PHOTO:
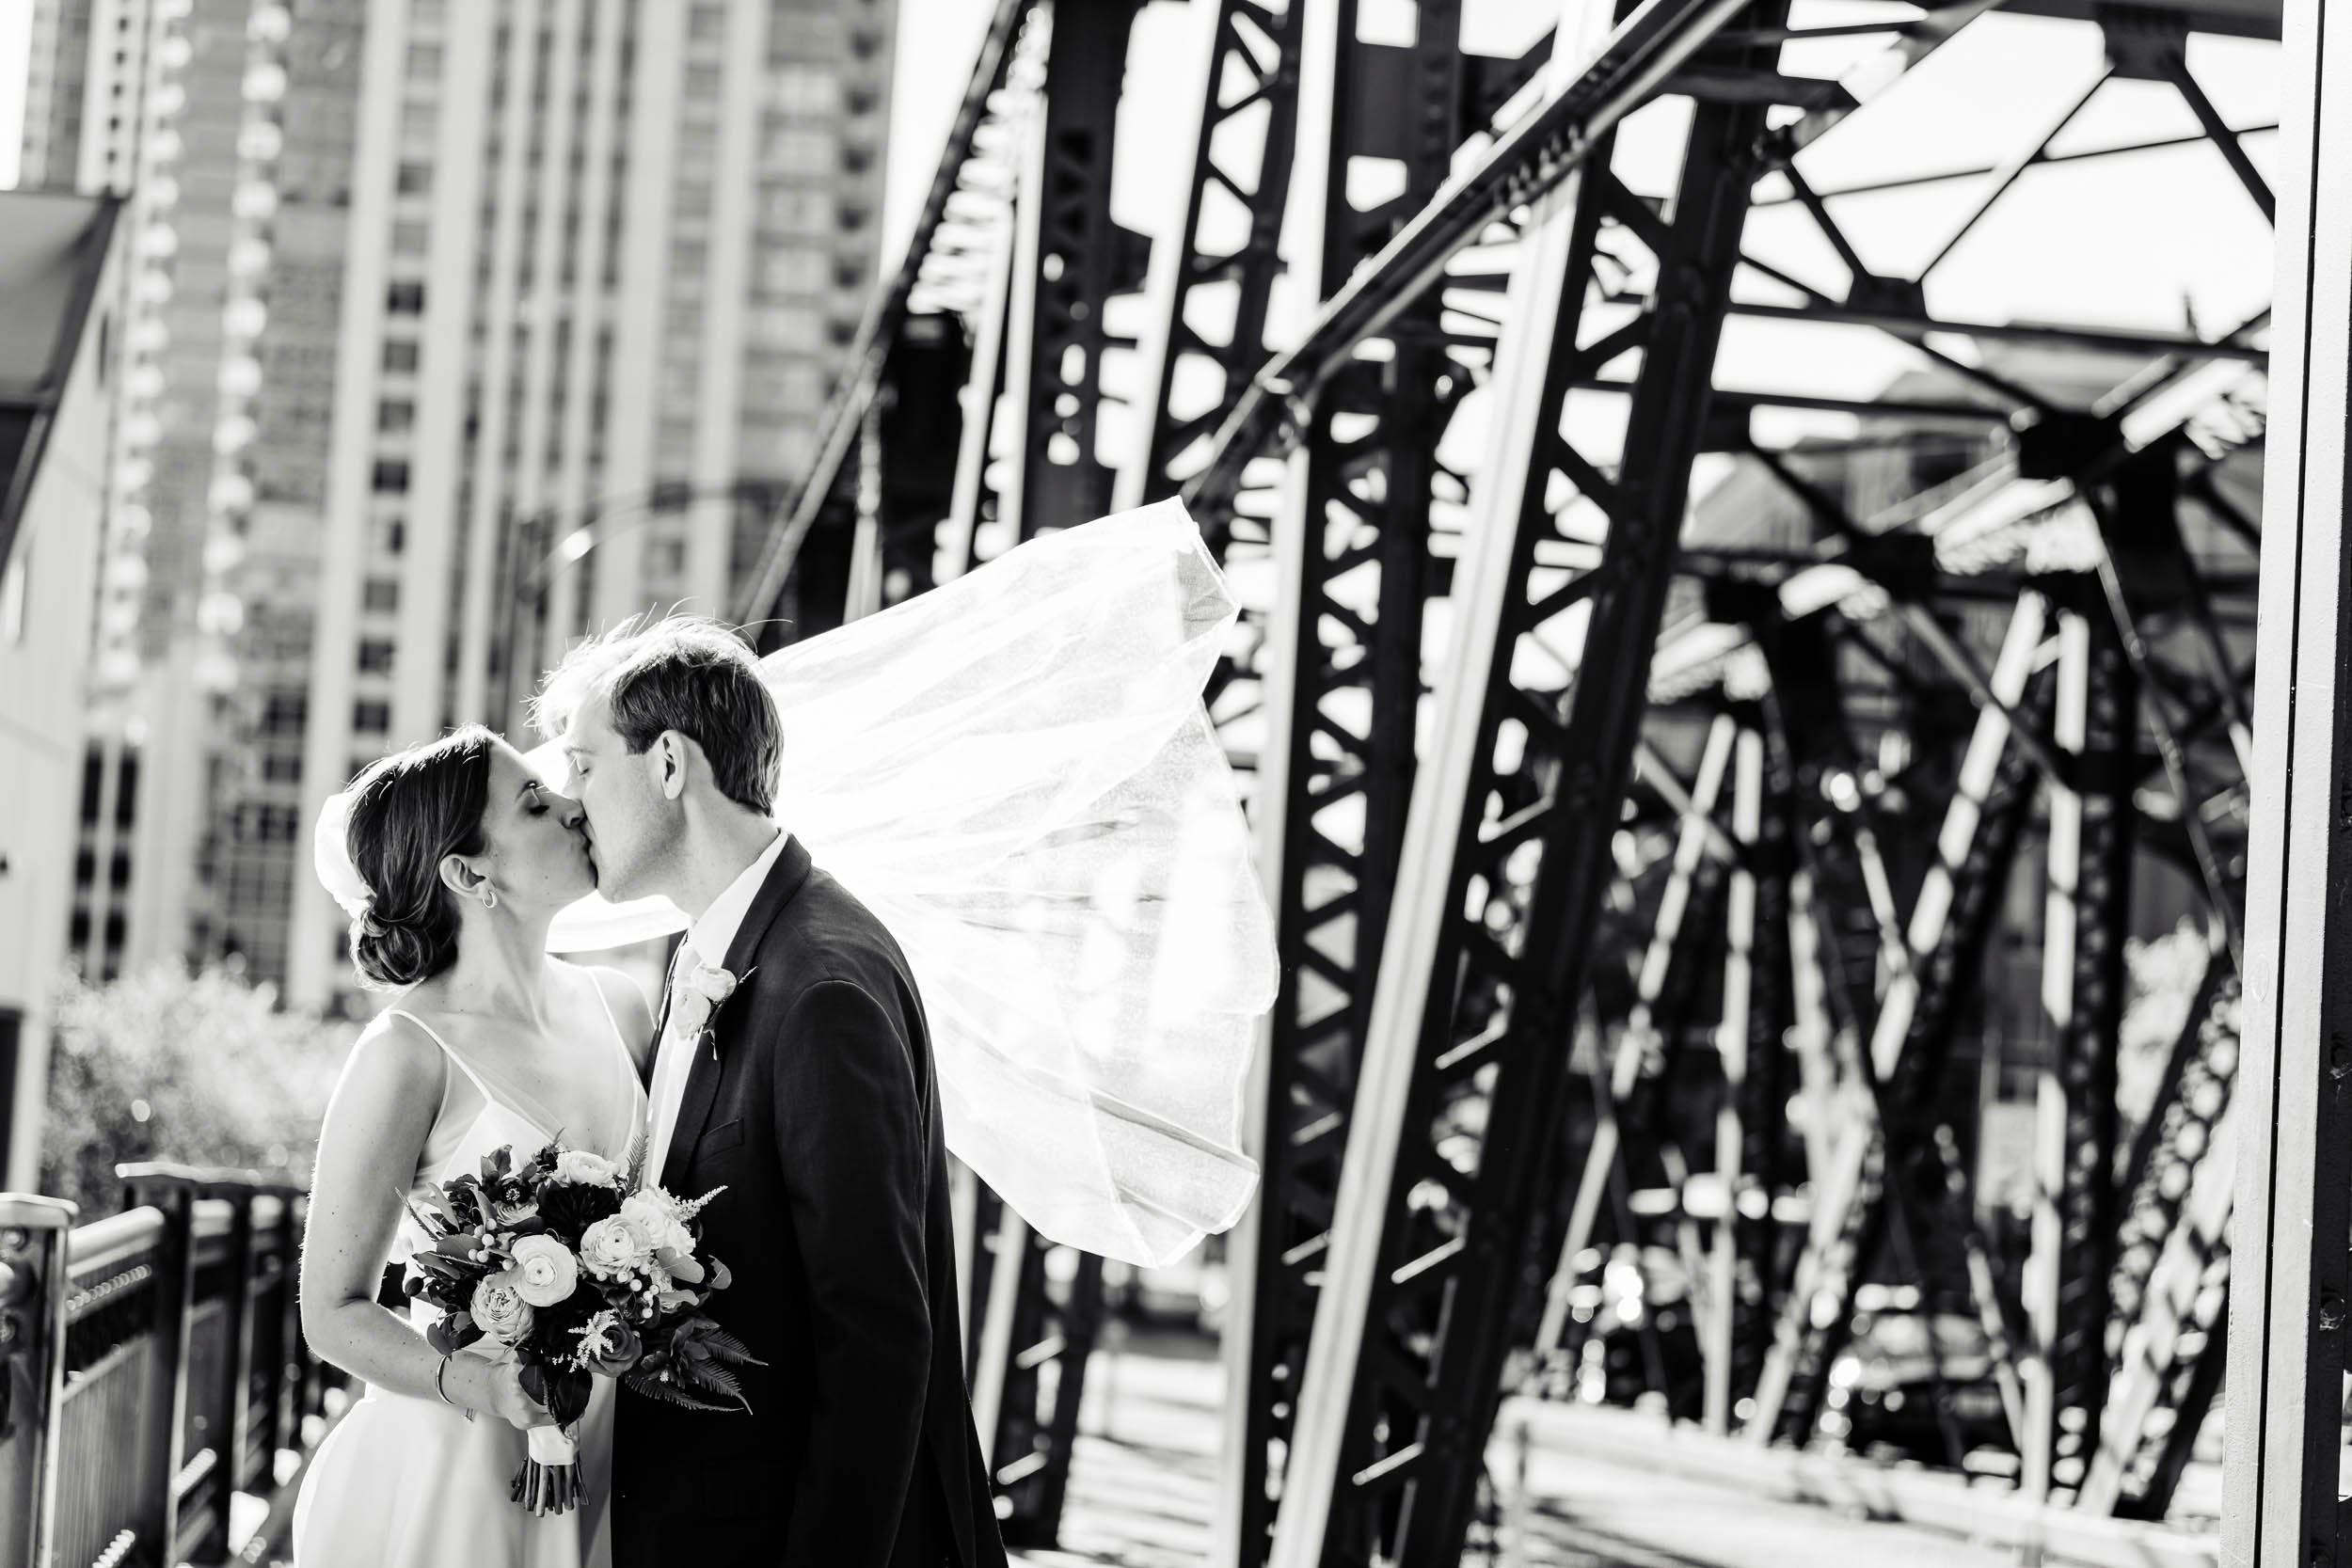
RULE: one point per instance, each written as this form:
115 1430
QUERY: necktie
672 1057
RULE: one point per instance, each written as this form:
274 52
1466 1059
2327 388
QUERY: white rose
586 1169
700 993
657 1218
498 1306
712 983
544 1270
615 1248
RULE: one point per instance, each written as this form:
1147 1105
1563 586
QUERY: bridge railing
151 1367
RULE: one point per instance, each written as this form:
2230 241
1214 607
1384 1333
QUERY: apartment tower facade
455 330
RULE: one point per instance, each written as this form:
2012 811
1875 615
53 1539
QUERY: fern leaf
669 1393
726 1348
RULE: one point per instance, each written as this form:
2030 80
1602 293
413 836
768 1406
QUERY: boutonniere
701 992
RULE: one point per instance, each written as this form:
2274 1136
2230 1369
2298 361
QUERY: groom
809 1095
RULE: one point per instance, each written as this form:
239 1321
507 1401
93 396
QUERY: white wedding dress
411 1483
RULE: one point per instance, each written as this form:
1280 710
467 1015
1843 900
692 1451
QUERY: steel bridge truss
1597 843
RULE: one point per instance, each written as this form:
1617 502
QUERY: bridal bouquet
580 1269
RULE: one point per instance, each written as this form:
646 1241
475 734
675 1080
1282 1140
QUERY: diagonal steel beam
1457 1112
845 414
1876 1151
1523 166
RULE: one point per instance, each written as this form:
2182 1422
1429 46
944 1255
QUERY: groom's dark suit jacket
815 1104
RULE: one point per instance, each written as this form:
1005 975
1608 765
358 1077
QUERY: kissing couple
970 875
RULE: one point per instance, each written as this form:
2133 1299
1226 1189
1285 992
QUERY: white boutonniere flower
701 991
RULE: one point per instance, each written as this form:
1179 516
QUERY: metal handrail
152 1366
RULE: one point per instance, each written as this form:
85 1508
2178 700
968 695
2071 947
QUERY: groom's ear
669 755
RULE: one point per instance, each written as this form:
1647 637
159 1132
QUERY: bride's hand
508 1401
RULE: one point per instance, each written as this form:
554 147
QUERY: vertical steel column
2170 1288
1069 260
2293 1200
1639 1057
162 1423
2088 915
227 1420
33 1242
1508 857
1037 1425
1249 61
1347 679
1748 1118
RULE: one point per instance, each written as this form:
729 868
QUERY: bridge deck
1601 1489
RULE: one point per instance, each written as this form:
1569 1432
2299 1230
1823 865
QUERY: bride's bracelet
439 1372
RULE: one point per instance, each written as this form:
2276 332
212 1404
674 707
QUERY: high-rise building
455 329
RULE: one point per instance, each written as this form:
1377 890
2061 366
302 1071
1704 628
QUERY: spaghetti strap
611 1017
434 1035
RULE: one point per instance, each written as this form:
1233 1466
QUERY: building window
400 355
792 272
394 535
410 238
383 595
405 299
282 767
118 870
370 718
798 151
375 658
415 179
803 89
392 477
395 415
285 712
786 326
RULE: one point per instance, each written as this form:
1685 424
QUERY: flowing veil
1014 772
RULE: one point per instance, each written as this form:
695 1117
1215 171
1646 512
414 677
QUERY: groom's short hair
683 672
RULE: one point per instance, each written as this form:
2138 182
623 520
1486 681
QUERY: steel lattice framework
1656 804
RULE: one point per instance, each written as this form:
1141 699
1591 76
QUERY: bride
468 858
1014 772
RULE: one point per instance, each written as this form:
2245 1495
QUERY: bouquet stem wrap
548 1482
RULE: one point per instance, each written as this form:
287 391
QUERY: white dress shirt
707 944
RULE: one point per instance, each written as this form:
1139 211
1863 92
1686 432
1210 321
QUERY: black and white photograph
1175 783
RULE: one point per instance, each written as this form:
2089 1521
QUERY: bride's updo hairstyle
408 813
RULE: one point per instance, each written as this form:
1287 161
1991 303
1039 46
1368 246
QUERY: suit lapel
784 880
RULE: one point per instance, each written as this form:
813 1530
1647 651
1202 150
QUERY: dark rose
557 1323
567 1210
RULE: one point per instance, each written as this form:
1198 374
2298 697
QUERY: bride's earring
489 897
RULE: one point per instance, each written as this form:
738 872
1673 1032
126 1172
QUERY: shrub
198 1068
